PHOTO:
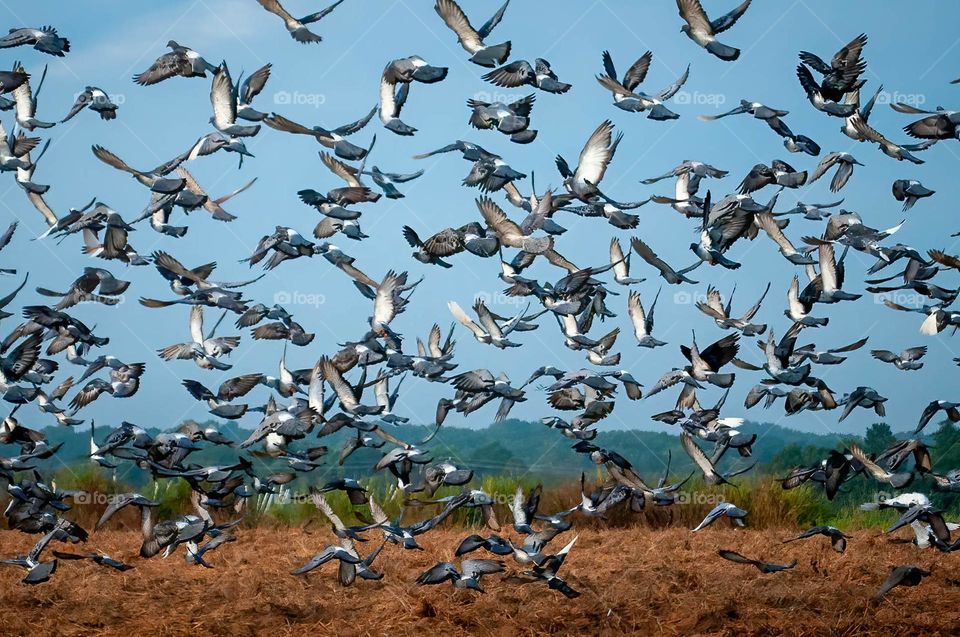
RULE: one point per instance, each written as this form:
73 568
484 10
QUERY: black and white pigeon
910 191
96 100
522 73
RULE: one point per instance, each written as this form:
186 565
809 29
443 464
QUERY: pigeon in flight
472 40
297 27
625 95
180 61
45 40
522 73
703 31
763 567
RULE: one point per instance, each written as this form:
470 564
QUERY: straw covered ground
634 580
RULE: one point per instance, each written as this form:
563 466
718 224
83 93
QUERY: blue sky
336 82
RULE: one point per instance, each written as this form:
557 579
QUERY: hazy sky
337 81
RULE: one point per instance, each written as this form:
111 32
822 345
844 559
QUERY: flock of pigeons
306 404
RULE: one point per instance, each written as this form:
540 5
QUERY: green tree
879 437
794 455
946 447
492 459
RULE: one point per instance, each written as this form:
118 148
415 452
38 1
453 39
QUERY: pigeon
901 576
180 61
45 39
841 76
910 191
472 40
522 73
334 139
844 163
838 541
467 576
642 320
763 567
703 31
908 359
724 509
223 99
510 118
297 27
670 275
97 100
395 86
626 97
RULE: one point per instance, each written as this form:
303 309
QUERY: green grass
761 495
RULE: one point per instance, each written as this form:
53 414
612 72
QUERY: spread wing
596 154
727 20
494 20
636 73
454 18
252 86
694 15
222 98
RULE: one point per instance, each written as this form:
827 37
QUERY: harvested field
632 581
